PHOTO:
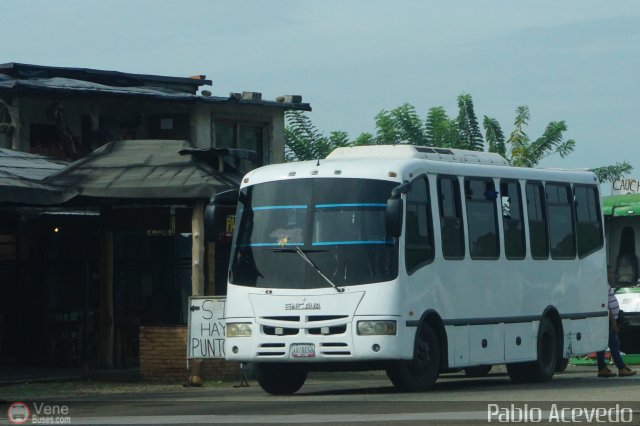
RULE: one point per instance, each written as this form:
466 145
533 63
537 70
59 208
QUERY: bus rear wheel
562 365
543 368
280 379
422 371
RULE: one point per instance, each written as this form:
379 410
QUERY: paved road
368 398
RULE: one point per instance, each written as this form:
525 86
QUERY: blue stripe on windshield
271 245
279 207
332 206
338 243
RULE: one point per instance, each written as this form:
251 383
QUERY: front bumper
335 342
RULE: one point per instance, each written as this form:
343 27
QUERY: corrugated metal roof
111 78
21 177
143 169
67 85
30 166
60 85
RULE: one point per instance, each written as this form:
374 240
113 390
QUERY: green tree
400 125
303 141
494 136
526 153
364 139
440 130
612 172
469 135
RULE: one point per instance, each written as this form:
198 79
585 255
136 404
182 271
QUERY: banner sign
206 327
625 186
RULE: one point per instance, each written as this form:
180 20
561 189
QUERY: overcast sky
572 60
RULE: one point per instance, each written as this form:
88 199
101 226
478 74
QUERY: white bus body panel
467 295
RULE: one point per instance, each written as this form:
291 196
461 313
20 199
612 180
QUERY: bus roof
401 162
421 152
621 205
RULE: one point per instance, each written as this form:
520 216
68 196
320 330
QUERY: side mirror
220 206
394 217
212 222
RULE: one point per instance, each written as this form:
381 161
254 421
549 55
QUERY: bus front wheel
422 371
543 368
280 379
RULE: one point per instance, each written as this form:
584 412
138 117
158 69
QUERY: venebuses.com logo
19 413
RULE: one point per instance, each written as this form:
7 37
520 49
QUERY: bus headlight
238 329
376 328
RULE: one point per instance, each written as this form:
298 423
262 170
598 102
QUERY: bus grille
271 349
282 331
334 349
329 331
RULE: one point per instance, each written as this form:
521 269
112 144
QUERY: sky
572 60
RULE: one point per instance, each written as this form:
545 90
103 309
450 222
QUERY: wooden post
197 274
107 332
211 269
197 249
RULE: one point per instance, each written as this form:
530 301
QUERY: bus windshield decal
278 244
333 206
337 243
279 207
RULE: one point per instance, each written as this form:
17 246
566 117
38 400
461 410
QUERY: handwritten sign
206 327
625 186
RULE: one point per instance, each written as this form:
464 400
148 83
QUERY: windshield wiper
313 265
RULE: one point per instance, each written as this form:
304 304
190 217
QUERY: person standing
614 341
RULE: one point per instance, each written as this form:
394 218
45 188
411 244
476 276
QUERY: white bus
414 260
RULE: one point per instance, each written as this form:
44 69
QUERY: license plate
303 350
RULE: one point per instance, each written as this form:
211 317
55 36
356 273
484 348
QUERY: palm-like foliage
494 136
469 135
400 125
612 172
440 130
303 141
529 154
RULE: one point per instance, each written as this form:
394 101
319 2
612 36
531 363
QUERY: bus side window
562 238
537 212
512 220
419 249
450 217
482 220
588 219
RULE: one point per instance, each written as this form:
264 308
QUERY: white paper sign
206 327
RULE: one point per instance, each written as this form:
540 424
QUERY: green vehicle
622 231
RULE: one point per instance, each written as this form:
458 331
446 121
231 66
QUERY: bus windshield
338 223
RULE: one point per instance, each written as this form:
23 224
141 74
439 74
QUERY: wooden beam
197 275
197 249
211 269
106 311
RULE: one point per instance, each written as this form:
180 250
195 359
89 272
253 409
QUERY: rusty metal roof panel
143 169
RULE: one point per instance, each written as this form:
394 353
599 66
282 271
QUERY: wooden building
93 251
